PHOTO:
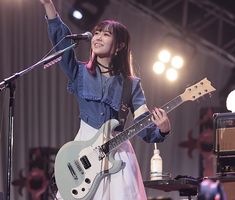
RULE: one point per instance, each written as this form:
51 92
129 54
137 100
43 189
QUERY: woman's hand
161 119
49 8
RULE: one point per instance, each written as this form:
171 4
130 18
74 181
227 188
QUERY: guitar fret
172 104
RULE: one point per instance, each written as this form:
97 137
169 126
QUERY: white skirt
127 183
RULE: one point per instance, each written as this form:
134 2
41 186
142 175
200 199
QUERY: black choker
109 69
103 65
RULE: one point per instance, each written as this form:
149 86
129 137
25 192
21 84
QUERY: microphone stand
10 83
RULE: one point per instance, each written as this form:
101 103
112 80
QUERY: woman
98 86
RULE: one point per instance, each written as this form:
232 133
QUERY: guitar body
79 167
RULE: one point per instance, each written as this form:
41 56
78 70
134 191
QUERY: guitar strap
125 101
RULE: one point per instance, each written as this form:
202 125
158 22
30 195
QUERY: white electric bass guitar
81 165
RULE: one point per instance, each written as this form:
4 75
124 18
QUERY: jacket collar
91 88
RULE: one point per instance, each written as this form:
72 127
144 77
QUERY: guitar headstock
197 90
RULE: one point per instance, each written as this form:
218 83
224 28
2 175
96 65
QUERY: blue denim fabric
151 134
98 96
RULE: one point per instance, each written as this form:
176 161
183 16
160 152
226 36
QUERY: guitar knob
87 180
75 192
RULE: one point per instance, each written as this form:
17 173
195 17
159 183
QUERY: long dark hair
121 60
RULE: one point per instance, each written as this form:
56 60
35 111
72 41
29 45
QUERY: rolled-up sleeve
151 134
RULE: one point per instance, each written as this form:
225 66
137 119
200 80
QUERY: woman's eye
107 34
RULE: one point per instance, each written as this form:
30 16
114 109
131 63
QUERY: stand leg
11 86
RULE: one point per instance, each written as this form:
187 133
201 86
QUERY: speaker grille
226 139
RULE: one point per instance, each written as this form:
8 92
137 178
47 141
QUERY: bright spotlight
77 14
230 102
158 67
177 62
171 74
86 13
164 56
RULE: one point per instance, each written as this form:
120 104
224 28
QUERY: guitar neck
139 126
171 105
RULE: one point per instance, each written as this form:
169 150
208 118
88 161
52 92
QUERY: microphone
83 36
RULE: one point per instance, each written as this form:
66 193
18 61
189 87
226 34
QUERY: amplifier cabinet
224 133
224 142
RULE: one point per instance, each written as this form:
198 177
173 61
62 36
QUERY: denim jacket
98 96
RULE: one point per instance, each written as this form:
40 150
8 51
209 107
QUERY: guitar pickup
78 166
85 162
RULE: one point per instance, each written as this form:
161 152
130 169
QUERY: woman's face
102 44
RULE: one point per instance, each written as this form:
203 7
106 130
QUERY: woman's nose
99 36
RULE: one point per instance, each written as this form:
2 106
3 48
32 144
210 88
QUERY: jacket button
101 113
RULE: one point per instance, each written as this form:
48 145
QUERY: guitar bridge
100 152
72 171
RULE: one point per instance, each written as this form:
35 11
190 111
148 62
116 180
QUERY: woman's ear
120 47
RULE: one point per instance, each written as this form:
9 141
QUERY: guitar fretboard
139 126
171 105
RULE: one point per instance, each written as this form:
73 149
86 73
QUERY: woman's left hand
161 119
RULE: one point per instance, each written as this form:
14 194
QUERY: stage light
171 74
77 14
169 63
158 67
174 52
86 13
230 102
177 62
226 94
164 56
